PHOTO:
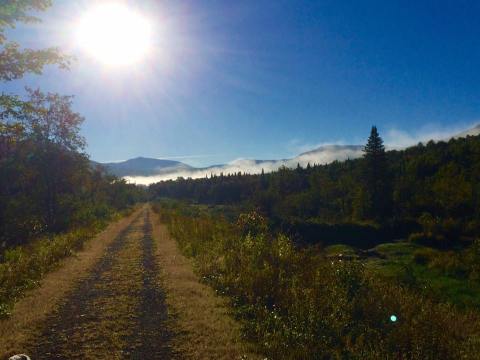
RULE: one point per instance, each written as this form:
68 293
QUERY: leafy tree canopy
15 62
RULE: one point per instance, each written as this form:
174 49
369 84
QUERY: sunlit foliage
14 61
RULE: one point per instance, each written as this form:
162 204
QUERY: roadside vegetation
22 267
301 303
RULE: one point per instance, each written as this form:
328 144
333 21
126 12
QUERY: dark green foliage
14 62
363 236
47 185
424 256
12 11
375 190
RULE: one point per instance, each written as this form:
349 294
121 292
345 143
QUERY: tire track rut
153 310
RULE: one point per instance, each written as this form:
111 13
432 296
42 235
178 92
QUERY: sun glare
115 35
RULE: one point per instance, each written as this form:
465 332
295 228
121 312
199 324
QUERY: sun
115 34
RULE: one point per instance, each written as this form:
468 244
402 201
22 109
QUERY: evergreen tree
377 189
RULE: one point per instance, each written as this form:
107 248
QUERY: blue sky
268 79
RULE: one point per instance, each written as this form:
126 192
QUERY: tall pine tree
376 179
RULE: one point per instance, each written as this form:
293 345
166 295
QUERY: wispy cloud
297 146
188 156
239 165
397 139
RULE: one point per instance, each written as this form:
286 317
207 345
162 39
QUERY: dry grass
32 310
204 327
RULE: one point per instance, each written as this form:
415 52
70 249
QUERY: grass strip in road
152 331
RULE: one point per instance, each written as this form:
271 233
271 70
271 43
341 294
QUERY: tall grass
22 267
297 304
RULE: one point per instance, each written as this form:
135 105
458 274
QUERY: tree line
429 191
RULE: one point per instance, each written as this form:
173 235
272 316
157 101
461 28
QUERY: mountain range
145 171
142 166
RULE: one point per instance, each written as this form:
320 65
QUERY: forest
48 185
430 192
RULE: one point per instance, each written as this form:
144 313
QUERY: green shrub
252 223
472 259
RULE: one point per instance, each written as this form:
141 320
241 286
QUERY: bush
252 223
363 236
472 259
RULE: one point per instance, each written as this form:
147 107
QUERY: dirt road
117 311
129 295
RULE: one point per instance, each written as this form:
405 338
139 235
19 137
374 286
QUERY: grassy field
401 261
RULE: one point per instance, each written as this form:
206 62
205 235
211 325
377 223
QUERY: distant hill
142 166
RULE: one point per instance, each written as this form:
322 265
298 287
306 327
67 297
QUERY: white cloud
324 155
397 139
296 146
